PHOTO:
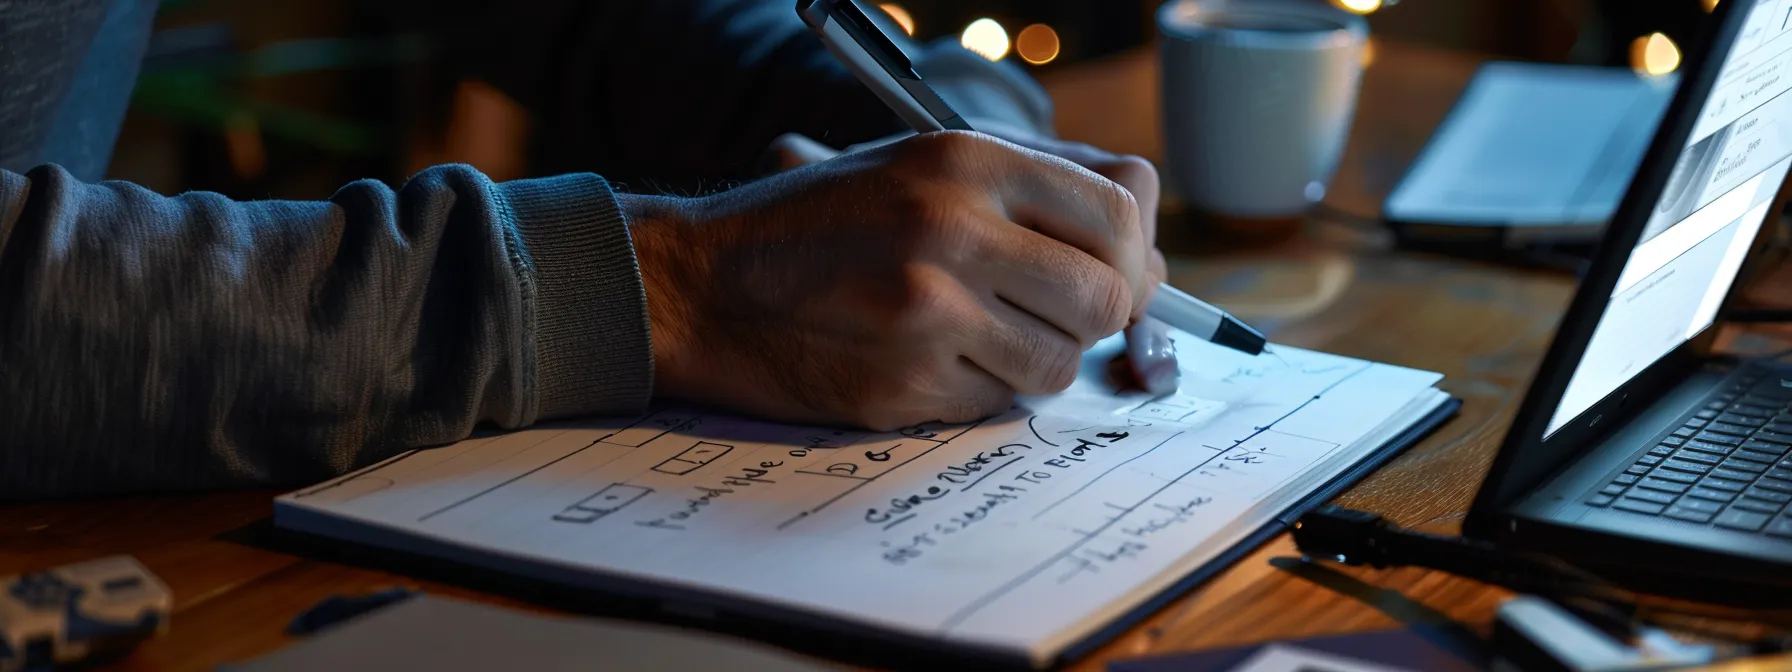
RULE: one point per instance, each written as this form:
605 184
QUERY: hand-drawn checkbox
693 457
603 503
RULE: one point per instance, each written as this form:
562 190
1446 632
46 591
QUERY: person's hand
1150 357
929 279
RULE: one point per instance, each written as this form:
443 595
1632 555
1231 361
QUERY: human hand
1150 356
928 279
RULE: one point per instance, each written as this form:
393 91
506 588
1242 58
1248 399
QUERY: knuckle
1122 209
952 151
928 294
1047 364
1109 305
977 405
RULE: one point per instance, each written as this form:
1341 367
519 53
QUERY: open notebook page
1010 534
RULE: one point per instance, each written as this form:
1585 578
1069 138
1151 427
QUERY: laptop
1636 452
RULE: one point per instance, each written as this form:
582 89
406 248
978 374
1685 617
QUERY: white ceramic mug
1258 97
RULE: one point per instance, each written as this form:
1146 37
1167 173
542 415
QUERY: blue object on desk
1417 649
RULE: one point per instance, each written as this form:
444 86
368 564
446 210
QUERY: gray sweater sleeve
153 343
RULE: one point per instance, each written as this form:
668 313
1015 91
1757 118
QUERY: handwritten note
1021 531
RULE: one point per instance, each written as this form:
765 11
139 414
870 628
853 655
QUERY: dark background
293 98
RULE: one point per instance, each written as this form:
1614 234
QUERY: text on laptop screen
1701 228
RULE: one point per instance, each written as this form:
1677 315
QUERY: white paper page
1005 533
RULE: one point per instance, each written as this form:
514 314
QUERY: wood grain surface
1333 286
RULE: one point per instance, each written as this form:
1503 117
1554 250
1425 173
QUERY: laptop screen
1706 218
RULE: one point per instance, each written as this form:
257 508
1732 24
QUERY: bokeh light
1709 5
1037 44
986 38
901 16
1654 54
1360 6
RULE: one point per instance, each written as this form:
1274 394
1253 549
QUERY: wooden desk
1333 289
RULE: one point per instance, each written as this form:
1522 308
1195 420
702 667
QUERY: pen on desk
854 38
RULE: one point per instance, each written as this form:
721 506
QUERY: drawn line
508 481
1116 506
354 476
991 596
1036 432
981 602
1110 470
1309 438
863 482
987 474
900 521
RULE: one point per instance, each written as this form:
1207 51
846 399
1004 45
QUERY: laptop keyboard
1728 466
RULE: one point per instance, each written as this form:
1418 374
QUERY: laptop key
1708 447
1653 460
1732 475
1661 451
1696 456
1688 515
1721 484
1651 496
1664 486
1775 485
1744 465
1769 495
1774 437
1781 528
1763 447
1673 441
1686 466
1753 411
1700 506
1600 500
1705 414
1685 432
1734 418
1638 469
1757 506
1782 473
1697 424
1747 521
1726 428
1763 458
1780 427
1638 506
1626 479
1708 493
1677 476
1719 439
1613 489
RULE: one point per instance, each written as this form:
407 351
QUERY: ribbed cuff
593 349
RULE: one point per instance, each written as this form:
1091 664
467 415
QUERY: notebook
1025 539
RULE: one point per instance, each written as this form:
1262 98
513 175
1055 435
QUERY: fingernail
1153 355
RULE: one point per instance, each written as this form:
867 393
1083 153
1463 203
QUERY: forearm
156 343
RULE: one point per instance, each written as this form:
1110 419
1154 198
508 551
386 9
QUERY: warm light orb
901 16
1037 44
1359 6
1709 5
1368 56
1654 54
986 38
